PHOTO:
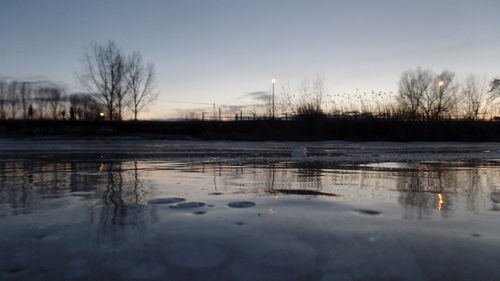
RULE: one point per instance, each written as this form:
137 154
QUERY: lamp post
274 82
441 84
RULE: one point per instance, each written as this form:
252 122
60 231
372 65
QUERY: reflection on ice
213 220
241 204
166 201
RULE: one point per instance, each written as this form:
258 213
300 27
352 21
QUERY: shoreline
261 130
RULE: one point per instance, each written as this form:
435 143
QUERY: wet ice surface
153 210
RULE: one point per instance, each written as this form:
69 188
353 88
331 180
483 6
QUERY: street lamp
274 82
441 83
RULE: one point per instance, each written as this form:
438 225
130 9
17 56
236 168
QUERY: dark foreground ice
154 210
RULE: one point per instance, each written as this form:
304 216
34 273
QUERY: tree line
422 95
115 84
44 100
119 86
426 95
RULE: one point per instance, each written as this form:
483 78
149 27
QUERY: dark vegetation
355 129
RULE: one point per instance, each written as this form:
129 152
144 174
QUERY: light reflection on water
95 208
421 188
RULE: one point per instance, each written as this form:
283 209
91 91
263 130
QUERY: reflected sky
212 220
420 189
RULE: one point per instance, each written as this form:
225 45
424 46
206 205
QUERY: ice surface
169 210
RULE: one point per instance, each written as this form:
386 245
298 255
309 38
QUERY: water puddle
210 216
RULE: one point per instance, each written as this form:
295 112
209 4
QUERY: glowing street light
274 82
441 83
101 114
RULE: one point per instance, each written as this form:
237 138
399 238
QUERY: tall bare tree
102 75
286 99
495 92
41 99
12 98
3 98
443 96
54 97
414 85
474 97
140 84
24 97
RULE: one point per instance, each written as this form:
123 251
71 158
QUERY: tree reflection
423 189
442 188
115 191
123 199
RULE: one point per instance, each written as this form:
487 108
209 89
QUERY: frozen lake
186 210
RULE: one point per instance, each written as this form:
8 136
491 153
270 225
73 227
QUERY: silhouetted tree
495 88
140 83
41 99
3 98
286 99
102 74
311 99
474 97
443 96
24 97
414 85
12 98
54 101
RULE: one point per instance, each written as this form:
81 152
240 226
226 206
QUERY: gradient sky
219 50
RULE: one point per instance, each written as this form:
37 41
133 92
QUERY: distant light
273 80
441 201
441 83
101 114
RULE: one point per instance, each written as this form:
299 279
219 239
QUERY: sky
219 51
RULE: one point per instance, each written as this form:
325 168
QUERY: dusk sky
218 51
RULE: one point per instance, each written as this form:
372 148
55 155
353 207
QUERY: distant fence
281 116
351 115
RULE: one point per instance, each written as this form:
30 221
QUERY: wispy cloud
258 96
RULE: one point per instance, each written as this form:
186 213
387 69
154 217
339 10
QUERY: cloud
258 96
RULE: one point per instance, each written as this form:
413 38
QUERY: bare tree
102 75
3 98
318 92
12 98
443 97
495 88
54 101
414 85
140 84
286 99
41 99
474 97
24 97
311 96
